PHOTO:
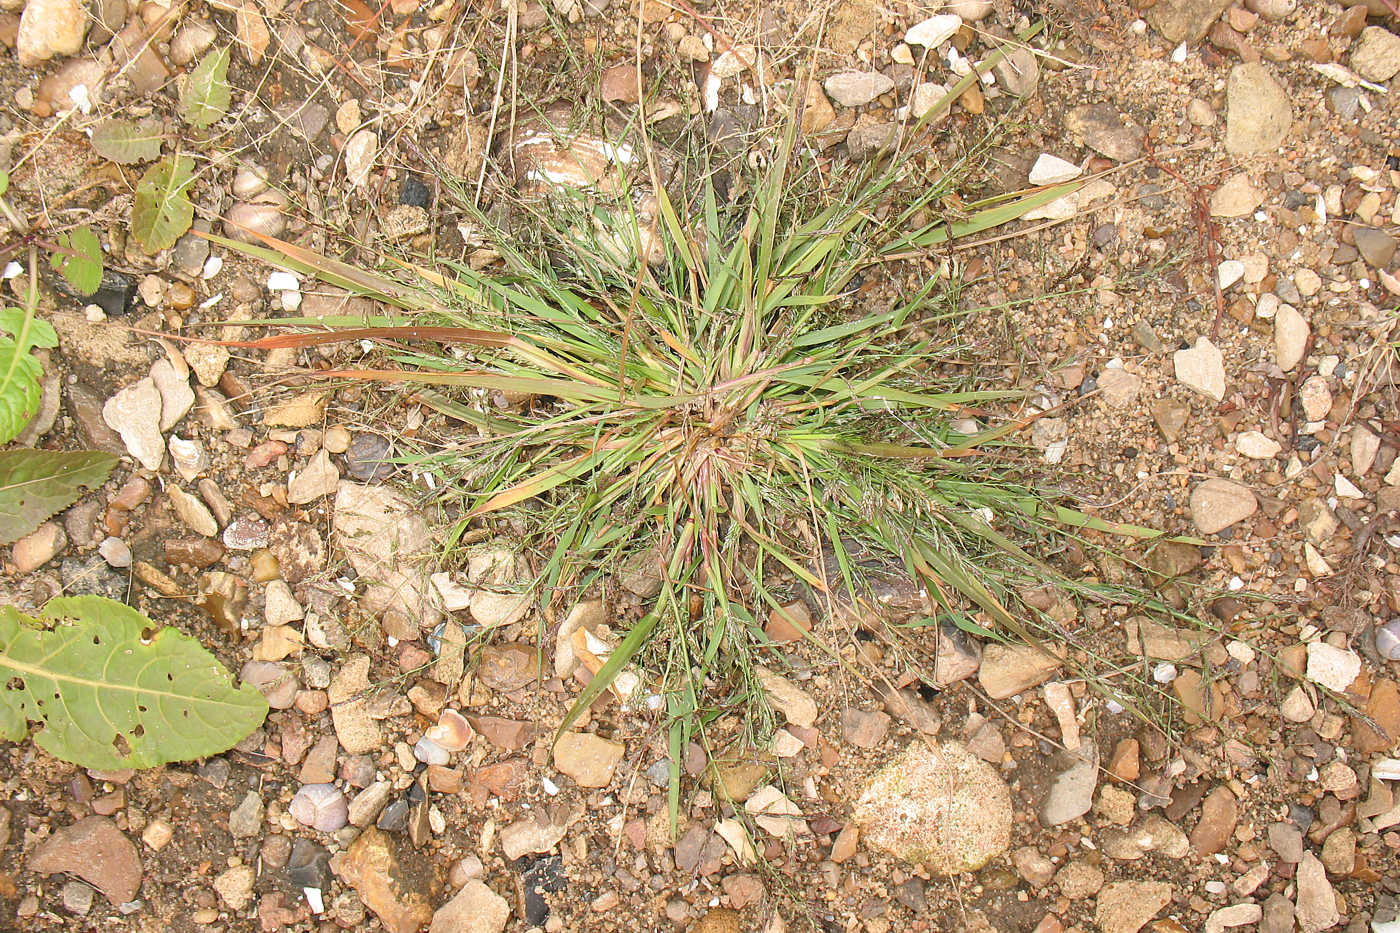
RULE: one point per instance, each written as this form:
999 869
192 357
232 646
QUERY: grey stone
1018 72
857 88
1071 794
77 898
367 457
869 137
246 819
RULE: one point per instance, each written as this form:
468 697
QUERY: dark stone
113 295
366 458
414 193
309 865
911 895
394 819
540 875
86 407
216 772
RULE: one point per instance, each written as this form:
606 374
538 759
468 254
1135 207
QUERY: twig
1207 233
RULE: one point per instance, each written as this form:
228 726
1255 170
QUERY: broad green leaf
125 142
84 270
35 484
4 181
19 388
162 211
107 697
205 98
41 333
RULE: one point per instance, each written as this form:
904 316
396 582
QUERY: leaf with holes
80 261
206 96
109 698
35 484
162 211
125 142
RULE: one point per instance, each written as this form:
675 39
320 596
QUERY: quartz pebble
320 806
1051 170
1201 369
1316 397
1333 668
934 31
1257 446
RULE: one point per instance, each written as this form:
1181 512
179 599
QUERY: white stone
319 478
134 413
454 595
857 88
48 29
1257 446
1062 208
934 31
1346 488
1317 564
1216 504
775 813
279 605
176 396
1316 397
1051 170
280 281
359 155
1229 272
1201 369
1297 706
789 699
1333 668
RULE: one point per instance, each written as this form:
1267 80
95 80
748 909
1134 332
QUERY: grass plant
732 414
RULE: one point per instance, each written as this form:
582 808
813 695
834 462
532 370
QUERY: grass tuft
733 417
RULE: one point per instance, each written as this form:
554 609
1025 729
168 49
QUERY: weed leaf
205 99
35 484
127 143
19 388
107 697
41 333
162 211
83 266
